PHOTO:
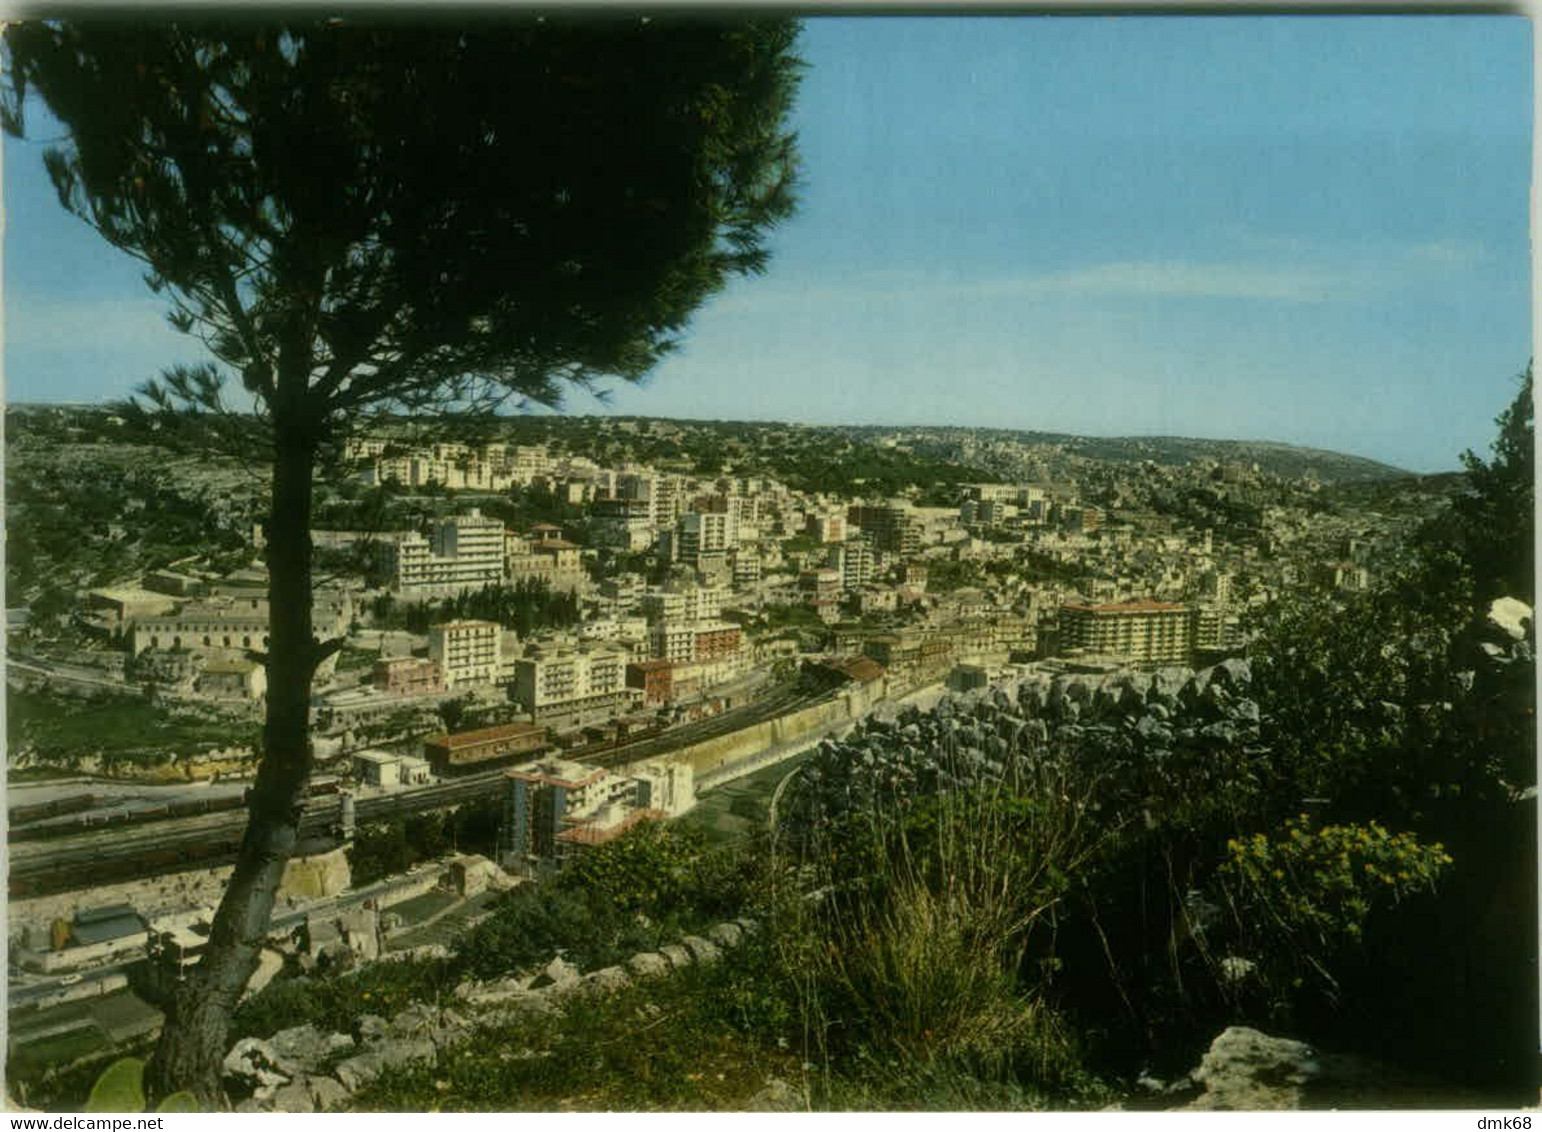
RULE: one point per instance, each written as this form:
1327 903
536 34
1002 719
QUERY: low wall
726 757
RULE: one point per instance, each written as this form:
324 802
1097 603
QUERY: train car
57 807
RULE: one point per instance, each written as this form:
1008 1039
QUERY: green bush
1300 896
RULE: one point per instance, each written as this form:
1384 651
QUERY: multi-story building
820 590
571 685
706 537
465 552
1147 632
554 808
893 528
684 603
716 641
746 568
545 557
855 563
827 527
225 625
467 652
407 676
674 641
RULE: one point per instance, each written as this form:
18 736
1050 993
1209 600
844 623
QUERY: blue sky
1311 230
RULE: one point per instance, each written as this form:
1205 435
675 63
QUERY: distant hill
1288 460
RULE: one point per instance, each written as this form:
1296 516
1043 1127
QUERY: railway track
149 848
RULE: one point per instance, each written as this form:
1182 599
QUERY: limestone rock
704 951
607 980
370 1028
293 1097
1248 1070
558 971
777 1096
326 1092
252 1064
725 935
1510 617
678 956
648 965
1245 1070
302 1049
357 1071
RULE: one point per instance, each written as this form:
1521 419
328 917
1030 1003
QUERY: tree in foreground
362 218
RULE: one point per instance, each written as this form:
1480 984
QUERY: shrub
1300 896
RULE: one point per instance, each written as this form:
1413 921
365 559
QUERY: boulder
303 1049
293 1097
704 950
326 1092
726 935
559 970
678 956
370 1028
357 1071
1234 671
1245 1070
252 1064
648 965
607 980
777 1096
1510 617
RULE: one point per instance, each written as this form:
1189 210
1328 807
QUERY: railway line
132 850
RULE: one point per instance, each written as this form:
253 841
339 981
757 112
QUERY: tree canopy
360 215
384 210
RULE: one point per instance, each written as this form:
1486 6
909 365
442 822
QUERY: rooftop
485 735
1130 607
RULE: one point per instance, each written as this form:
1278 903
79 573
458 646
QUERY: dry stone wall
303 1069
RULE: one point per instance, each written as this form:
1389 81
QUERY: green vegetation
134 731
73 522
383 849
526 607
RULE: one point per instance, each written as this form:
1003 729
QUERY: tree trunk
192 1045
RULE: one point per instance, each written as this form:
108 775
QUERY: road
69 674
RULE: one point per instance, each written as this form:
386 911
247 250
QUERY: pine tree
359 217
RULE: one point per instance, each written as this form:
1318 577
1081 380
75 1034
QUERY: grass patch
334 1003
681 1044
59 730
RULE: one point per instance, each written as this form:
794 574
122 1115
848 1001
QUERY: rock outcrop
1245 1070
306 1070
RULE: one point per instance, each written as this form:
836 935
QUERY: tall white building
571 682
466 552
467 652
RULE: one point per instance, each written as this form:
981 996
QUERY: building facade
1146 632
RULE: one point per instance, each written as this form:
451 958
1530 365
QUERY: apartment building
706 536
465 552
407 676
571 685
1146 632
467 652
545 556
684 603
893 528
854 561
